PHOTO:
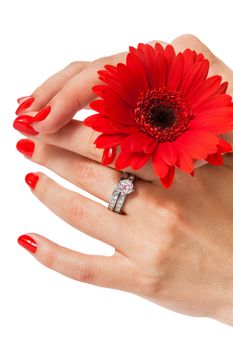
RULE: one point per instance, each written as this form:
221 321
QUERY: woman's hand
70 90
173 246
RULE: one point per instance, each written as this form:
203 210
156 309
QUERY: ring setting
124 187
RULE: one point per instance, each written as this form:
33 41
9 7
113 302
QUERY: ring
124 187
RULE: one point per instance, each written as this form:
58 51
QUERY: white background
40 309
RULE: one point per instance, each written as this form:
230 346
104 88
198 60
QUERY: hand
173 247
70 90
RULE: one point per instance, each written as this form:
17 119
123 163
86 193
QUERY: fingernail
42 114
23 124
108 155
25 147
25 104
21 99
31 180
28 243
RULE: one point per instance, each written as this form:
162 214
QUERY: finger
217 67
85 173
83 213
75 95
78 138
45 92
104 271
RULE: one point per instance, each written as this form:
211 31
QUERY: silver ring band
124 187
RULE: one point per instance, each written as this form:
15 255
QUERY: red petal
160 167
138 160
138 71
98 89
175 73
107 141
169 152
215 159
224 146
197 75
169 54
123 160
160 71
167 180
117 109
139 142
222 88
184 161
207 88
122 83
159 48
213 102
104 124
98 106
216 121
198 143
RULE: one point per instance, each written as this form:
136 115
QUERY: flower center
162 114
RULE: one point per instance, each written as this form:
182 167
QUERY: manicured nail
28 243
23 124
108 155
31 179
42 114
25 104
21 99
26 147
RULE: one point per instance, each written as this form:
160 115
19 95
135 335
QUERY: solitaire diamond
125 186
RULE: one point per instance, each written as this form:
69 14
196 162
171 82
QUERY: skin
173 247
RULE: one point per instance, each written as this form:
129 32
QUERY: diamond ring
124 187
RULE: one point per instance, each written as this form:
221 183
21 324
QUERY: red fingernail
108 155
42 114
25 104
23 124
31 179
21 99
28 243
26 147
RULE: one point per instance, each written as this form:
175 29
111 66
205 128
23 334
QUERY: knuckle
101 61
72 64
83 272
91 147
75 210
58 137
147 284
85 172
41 154
188 38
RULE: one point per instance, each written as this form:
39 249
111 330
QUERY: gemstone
125 186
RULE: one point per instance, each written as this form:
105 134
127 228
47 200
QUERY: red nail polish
108 155
26 104
31 179
26 147
28 243
42 114
21 99
23 124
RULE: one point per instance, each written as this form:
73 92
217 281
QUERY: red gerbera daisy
161 106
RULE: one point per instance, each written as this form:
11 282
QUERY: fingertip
31 180
28 243
26 147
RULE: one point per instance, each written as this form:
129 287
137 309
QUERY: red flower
161 106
